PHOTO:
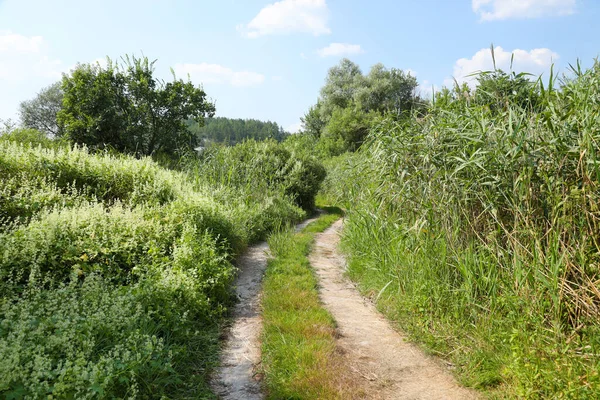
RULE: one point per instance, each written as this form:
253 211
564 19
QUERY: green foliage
350 101
126 108
104 177
297 175
232 131
346 130
32 138
387 90
115 273
341 85
499 90
313 122
382 90
476 226
40 113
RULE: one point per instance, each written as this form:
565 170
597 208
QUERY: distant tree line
232 131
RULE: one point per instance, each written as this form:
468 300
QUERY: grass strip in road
298 344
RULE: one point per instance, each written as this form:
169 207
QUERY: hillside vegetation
115 272
232 131
475 227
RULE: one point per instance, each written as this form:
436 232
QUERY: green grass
476 229
298 343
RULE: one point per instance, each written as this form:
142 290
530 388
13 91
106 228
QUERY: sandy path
236 377
386 365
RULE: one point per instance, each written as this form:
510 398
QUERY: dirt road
387 366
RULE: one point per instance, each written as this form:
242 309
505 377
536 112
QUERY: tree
312 122
387 90
125 107
382 90
340 87
40 113
346 130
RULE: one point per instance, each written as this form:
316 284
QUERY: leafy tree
313 122
41 112
349 101
341 85
346 130
125 107
386 90
382 90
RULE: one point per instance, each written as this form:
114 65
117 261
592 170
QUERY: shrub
261 168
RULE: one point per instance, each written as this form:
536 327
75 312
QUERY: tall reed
476 227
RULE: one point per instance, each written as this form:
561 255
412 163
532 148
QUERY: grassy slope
298 349
115 271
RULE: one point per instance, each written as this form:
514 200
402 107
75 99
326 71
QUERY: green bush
263 168
115 273
105 177
95 340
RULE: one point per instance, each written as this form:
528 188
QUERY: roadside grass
475 229
299 357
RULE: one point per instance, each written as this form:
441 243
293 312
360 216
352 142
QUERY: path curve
236 378
387 366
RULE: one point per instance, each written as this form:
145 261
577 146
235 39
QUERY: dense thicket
477 227
115 271
232 131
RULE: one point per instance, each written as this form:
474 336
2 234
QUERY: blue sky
268 59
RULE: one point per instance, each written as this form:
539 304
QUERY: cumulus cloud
536 61
340 49
426 89
294 128
15 43
490 10
25 57
218 74
287 16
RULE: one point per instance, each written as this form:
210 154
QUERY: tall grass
476 228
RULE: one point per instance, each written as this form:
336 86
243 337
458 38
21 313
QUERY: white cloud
426 89
26 57
218 74
340 49
536 61
287 16
294 128
15 43
489 10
